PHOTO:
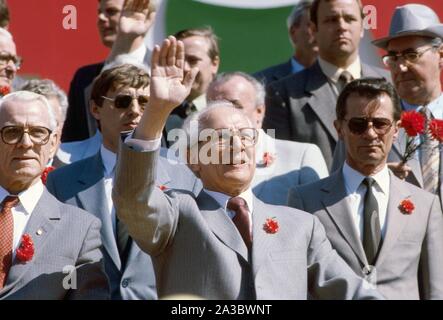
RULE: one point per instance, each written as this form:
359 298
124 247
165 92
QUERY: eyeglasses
360 125
409 56
224 136
5 57
123 101
14 134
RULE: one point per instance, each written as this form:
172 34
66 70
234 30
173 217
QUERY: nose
135 107
25 141
370 132
11 67
342 24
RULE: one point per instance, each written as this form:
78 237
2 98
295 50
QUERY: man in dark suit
48 250
303 41
384 228
80 124
129 269
224 243
300 107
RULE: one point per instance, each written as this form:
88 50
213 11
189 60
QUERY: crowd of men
159 176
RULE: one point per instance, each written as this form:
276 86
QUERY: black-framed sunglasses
14 134
360 125
123 101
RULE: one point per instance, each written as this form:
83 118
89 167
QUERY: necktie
429 158
371 223
241 218
344 79
6 236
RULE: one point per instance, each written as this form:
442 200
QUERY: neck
368 169
306 59
340 61
110 146
423 101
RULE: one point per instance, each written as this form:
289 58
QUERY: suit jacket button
125 283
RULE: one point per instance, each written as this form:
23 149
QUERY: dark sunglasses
360 125
123 101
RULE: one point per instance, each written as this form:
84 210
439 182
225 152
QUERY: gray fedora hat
412 20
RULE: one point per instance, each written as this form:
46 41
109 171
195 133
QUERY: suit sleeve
313 165
91 279
150 215
431 260
329 277
277 115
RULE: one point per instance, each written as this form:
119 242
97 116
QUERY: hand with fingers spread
136 18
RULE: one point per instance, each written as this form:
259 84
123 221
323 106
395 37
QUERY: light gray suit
410 262
63 236
131 277
196 248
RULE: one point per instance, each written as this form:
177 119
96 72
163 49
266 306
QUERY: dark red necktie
241 218
6 237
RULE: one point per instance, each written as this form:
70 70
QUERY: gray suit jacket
274 73
409 265
68 236
196 248
301 107
131 277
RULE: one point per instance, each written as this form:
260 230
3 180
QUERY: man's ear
53 146
215 65
260 115
338 127
440 63
95 109
396 129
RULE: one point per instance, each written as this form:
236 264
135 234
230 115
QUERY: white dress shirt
333 72
22 212
109 159
356 195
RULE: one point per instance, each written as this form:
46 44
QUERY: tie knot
237 203
368 182
346 77
10 202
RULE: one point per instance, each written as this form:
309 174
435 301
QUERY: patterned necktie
344 79
6 237
241 218
371 223
429 158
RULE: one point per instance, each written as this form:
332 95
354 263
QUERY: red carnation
413 122
4 90
25 252
268 159
271 225
44 175
436 129
406 206
162 187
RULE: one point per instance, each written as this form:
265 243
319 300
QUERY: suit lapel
40 225
93 200
335 200
322 100
221 224
395 220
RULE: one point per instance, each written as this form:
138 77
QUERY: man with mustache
119 96
384 228
300 107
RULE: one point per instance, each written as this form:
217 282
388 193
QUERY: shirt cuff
143 145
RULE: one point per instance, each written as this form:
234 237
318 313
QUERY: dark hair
205 32
316 4
123 75
4 14
370 88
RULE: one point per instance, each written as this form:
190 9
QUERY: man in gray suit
300 107
303 41
195 246
119 97
48 250
384 228
280 164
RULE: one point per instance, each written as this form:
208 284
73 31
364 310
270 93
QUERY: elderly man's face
339 29
8 69
233 176
242 95
368 149
109 12
419 82
302 35
21 164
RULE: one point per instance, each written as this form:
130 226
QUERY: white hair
28 96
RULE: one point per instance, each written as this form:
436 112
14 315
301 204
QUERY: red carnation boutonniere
25 251
268 159
414 124
436 129
271 225
4 90
406 206
44 175
162 187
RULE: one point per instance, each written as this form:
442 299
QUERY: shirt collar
222 199
296 66
435 106
353 179
109 159
333 72
28 198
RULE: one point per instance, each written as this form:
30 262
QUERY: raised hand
136 17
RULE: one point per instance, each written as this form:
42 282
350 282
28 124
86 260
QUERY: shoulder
90 70
371 71
273 71
72 169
